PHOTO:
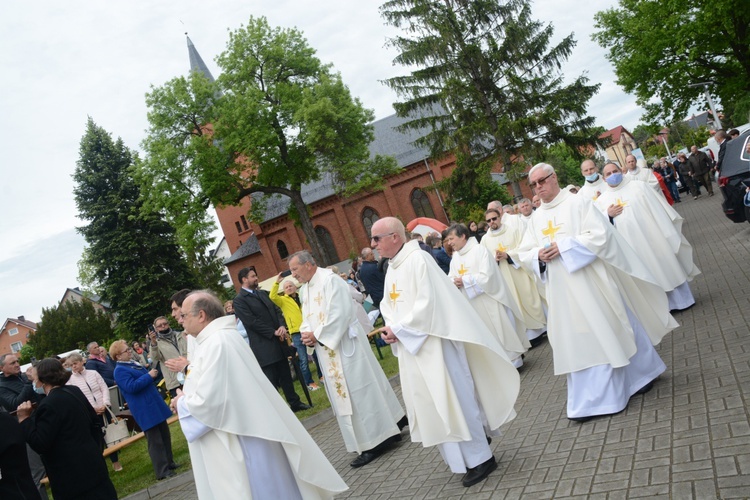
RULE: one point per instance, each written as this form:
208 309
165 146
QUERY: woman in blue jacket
150 411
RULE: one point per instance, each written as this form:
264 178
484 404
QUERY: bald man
455 375
594 184
253 447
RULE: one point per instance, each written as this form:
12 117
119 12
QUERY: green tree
131 254
566 162
276 119
487 87
69 326
659 48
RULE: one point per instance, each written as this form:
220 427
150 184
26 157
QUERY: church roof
196 61
249 247
388 141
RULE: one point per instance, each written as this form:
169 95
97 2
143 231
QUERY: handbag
116 430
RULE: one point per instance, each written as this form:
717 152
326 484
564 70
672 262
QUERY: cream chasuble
588 292
230 407
645 175
592 190
422 304
362 399
520 283
654 230
490 296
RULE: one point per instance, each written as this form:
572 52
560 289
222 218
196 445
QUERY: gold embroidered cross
318 299
393 294
462 270
621 203
550 230
501 248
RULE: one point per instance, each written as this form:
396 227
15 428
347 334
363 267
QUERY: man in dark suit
721 140
266 331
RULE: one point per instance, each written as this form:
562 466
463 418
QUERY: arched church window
421 204
281 248
329 249
369 217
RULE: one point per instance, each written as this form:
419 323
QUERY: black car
735 177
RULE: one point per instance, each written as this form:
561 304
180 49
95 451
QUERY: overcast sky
64 61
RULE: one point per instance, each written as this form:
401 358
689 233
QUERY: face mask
68 368
38 390
592 177
163 331
614 179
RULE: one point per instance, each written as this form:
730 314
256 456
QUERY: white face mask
39 390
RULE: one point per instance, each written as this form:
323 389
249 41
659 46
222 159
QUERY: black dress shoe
402 423
538 341
300 407
580 419
645 388
479 473
167 475
174 466
365 458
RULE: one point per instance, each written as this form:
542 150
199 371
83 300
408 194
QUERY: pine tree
69 326
487 87
131 256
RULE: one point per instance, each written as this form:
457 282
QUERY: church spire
196 62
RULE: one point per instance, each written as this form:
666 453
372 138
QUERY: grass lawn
138 474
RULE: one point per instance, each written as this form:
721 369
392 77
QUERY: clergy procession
598 274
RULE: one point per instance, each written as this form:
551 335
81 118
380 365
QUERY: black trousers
160 448
280 376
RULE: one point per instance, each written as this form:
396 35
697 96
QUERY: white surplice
520 283
366 408
455 375
490 296
645 175
592 190
591 287
244 440
654 230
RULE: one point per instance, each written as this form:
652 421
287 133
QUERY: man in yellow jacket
290 307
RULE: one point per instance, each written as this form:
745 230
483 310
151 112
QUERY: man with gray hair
244 441
366 408
456 378
605 309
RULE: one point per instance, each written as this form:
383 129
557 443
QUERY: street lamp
705 85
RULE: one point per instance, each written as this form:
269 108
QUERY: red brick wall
341 217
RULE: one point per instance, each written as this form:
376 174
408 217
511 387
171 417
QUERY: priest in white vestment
654 229
502 242
457 382
594 183
525 209
474 271
244 440
606 311
638 170
366 408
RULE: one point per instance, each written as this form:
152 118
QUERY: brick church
342 224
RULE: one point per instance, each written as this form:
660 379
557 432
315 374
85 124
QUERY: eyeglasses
491 219
541 181
376 238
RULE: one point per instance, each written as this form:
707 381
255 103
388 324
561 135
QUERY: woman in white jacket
96 391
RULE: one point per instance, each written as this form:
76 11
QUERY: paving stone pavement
687 438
